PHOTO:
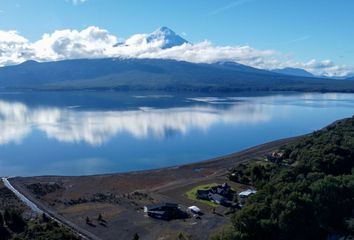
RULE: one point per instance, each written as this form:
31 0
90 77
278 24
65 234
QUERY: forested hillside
305 192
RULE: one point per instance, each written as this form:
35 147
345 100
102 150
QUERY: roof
203 192
161 205
247 193
216 197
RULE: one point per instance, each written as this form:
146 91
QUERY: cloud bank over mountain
94 42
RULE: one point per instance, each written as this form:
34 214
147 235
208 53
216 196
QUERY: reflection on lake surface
97 127
88 133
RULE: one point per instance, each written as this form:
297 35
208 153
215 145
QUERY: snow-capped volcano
169 37
161 38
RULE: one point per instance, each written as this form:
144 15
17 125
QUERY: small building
275 157
164 211
247 193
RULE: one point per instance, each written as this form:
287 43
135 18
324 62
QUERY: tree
7 216
88 221
1 220
181 236
136 237
15 221
45 218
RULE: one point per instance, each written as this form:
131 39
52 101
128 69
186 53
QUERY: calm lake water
81 133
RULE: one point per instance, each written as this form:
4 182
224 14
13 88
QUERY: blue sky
301 30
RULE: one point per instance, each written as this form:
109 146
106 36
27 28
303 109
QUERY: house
220 194
275 157
164 211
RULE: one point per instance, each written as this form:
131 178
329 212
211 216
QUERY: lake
79 133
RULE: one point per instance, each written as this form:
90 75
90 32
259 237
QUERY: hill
156 74
294 72
306 192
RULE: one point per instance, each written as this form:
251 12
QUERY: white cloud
318 67
94 42
68 44
14 48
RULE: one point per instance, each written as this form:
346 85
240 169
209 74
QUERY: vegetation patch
15 222
135 198
40 190
15 227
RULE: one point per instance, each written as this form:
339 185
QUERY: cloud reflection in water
17 120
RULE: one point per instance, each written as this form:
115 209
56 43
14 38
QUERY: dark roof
217 197
160 215
203 191
162 206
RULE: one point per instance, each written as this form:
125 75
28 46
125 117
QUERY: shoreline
157 185
196 165
200 171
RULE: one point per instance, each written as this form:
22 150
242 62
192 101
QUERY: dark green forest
13 226
305 193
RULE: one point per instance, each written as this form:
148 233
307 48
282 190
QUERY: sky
316 35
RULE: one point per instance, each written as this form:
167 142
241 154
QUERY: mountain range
157 74
161 74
